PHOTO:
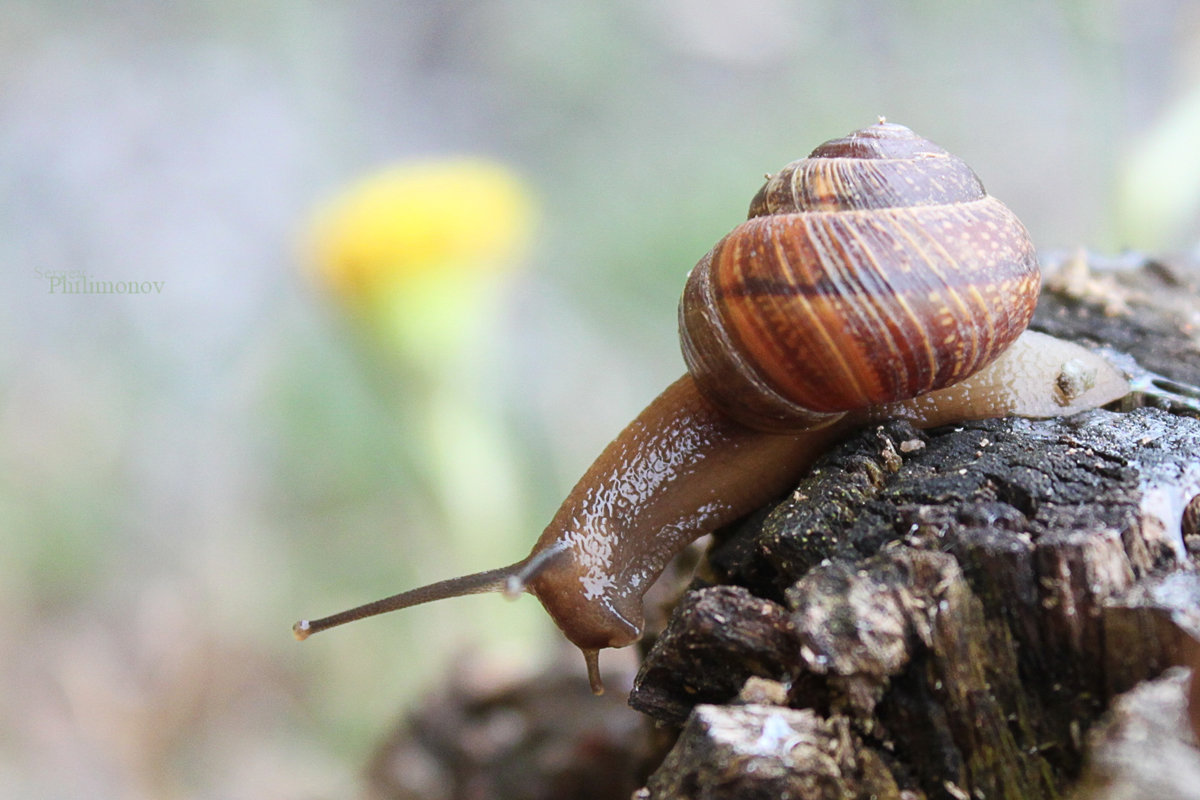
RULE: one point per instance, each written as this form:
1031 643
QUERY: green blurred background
183 474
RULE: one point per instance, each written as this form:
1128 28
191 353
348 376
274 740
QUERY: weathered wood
544 738
761 751
967 600
725 636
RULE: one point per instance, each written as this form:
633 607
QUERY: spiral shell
875 270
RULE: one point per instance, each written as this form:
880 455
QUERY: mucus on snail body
874 279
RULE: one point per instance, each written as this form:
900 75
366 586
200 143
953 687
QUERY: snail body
875 279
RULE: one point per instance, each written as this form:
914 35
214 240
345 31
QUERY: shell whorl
874 270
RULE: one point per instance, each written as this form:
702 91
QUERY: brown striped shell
875 270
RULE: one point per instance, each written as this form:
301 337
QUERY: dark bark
967 602
542 739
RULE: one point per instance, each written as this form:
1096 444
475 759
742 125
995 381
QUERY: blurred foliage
1159 190
183 474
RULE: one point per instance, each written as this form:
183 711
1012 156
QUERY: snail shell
874 270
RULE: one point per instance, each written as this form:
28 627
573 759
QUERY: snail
874 279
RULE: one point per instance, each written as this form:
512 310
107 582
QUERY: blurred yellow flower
421 219
418 250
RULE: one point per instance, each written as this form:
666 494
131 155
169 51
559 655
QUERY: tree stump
949 613
961 604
